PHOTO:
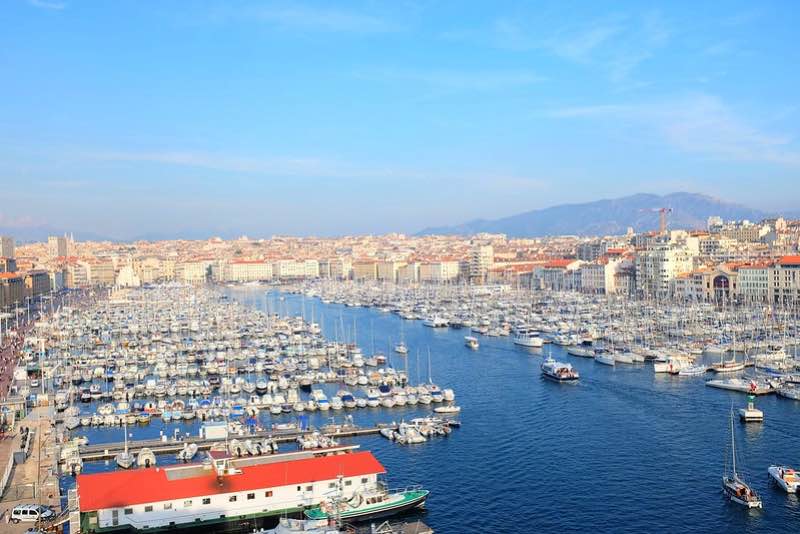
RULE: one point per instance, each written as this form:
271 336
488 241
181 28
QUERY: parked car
30 513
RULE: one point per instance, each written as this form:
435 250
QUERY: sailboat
728 366
124 459
736 489
401 347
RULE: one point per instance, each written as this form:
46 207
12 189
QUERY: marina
345 332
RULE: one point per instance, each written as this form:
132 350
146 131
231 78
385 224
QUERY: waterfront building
784 281
289 269
37 283
365 269
127 277
561 274
78 274
387 270
6 246
247 271
600 276
658 265
480 261
220 490
754 283
12 290
193 272
439 271
408 273
340 268
102 272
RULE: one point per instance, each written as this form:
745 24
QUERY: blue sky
128 118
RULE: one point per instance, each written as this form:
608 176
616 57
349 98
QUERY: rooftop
118 489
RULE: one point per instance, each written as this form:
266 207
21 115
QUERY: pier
107 451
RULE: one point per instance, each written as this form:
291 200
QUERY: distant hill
29 234
607 217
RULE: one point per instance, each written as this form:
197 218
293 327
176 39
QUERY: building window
232 498
207 500
268 494
128 511
187 504
148 508
167 506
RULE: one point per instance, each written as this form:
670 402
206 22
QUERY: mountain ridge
607 216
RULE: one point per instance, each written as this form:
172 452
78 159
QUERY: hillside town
732 261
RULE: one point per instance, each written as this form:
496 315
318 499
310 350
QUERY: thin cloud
45 4
331 20
454 80
616 45
696 124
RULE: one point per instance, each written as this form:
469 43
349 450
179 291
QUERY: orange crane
662 218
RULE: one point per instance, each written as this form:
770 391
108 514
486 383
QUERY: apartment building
6 246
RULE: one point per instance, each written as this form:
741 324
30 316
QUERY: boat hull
416 501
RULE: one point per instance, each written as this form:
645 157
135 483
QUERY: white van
30 513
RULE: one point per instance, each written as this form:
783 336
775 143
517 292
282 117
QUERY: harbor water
621 450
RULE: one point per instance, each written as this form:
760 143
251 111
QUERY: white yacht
558 371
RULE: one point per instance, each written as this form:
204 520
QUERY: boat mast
733 449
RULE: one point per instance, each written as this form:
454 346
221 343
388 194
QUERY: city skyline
303 118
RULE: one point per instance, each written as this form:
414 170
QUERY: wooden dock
107 451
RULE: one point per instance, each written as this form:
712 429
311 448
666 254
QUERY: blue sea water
623 450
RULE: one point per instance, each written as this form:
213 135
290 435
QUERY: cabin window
167 506
331 484
268 494
148 508
298 488
187 504
128 511
207 500
364 480
251 496
232 498
348 482
309 488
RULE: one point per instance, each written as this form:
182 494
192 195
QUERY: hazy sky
127 118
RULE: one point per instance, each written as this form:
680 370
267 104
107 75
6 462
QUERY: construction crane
662 218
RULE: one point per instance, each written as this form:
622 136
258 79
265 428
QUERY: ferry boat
369 504
558 371
736 489
786 477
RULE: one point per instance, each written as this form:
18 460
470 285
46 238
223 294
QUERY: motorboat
558 371
786 477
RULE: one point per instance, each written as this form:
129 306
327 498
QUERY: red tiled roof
790 260
558 264
117 489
